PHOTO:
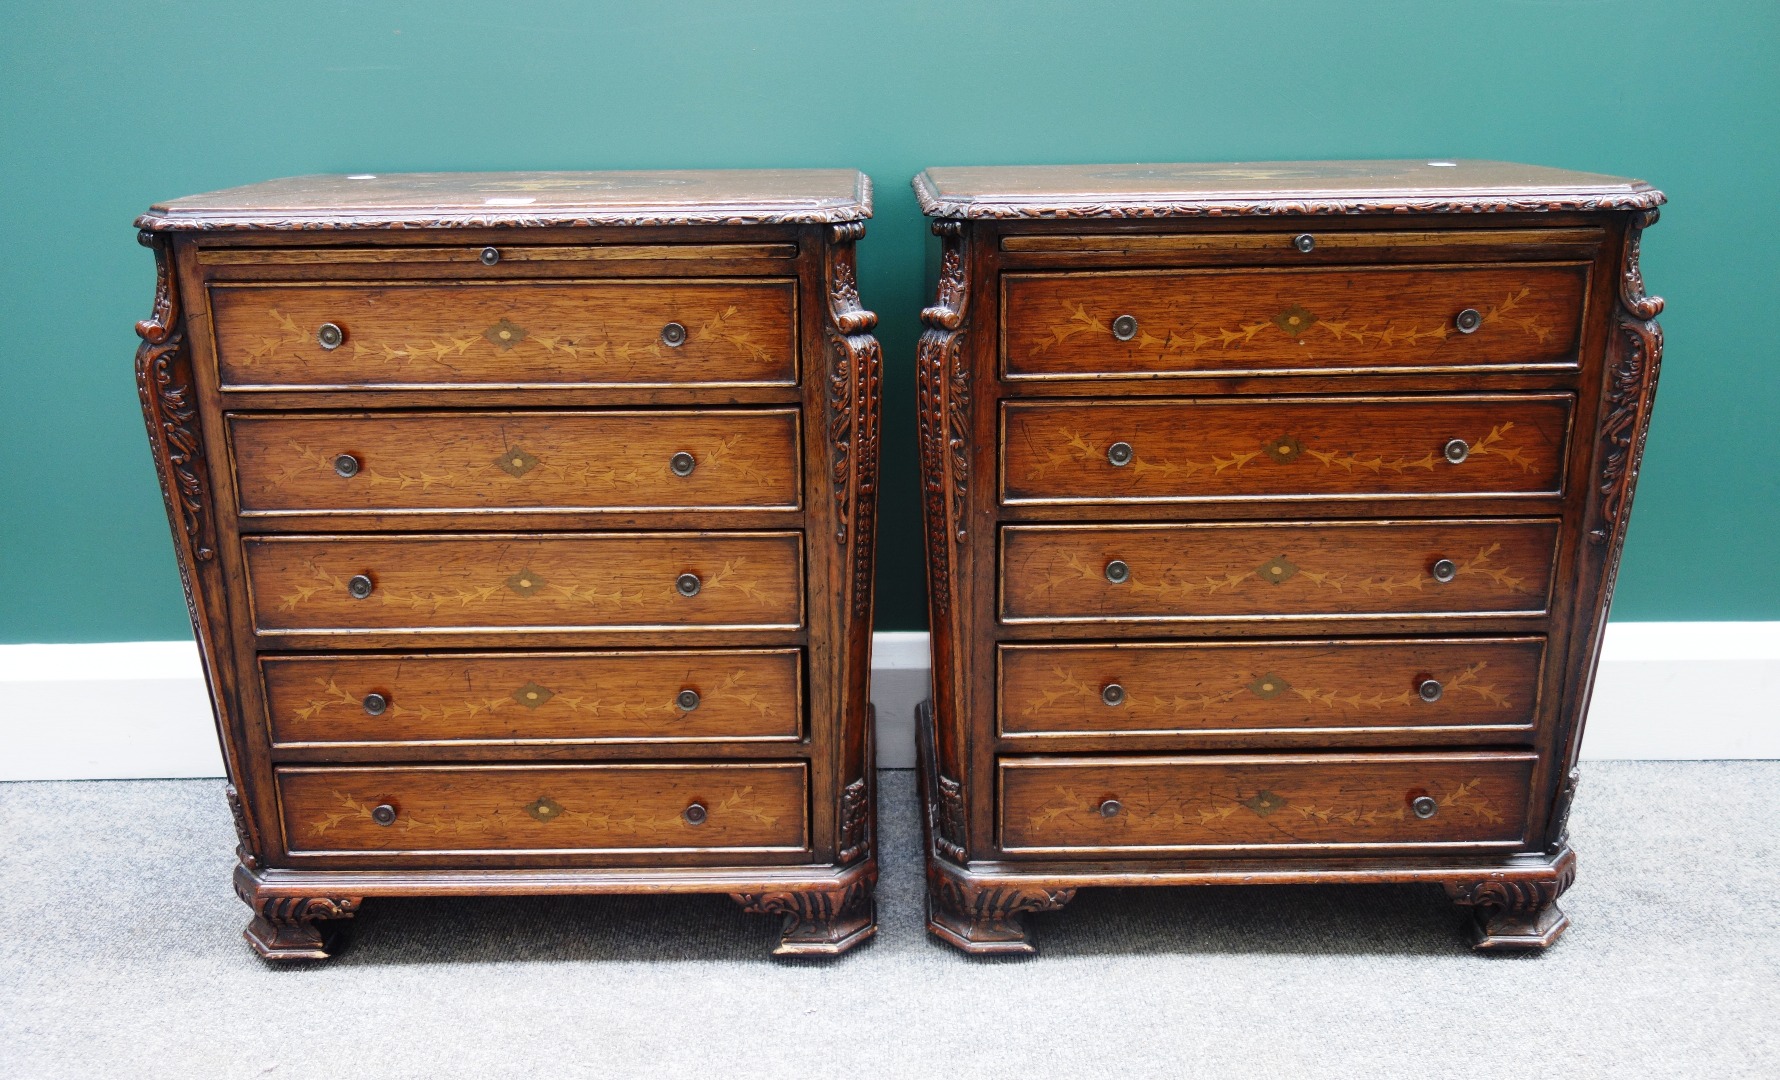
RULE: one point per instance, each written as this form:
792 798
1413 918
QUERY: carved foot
1516 914
985 918
294 927
819 922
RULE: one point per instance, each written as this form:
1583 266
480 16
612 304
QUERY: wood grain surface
548 808
508 333
1055 573
1211 448
1214 802
512 698
517 460
1377 318
617 580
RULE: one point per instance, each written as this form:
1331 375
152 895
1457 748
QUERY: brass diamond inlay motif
545 809
505 334
1278 570
531 695
1295 320
516 462
1269 686
525 583
1264 803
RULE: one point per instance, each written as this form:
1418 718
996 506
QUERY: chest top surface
521 199
1269 188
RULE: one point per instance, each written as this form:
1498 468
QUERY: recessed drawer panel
543 808
1177 451
509 698
1219 802
369 463
1358 319
620 581
1111 573
1485 686
501 334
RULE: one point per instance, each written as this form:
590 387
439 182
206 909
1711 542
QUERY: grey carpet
121 956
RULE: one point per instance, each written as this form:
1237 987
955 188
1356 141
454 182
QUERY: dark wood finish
522 495
1231 687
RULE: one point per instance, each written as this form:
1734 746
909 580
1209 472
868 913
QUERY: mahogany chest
1272 513
526 523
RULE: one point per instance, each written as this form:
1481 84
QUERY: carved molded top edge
555 200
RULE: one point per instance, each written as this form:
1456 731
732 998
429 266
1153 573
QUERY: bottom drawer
1272 802
477 808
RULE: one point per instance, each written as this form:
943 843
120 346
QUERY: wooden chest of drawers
526 522
1273 513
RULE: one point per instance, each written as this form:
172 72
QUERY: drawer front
741 694
1177 451
1284 801
1064 573
527 582
517 461
1486 685
499 334
544 808
1220 322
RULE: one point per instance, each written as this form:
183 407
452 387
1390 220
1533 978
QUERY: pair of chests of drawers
439 555
1279 498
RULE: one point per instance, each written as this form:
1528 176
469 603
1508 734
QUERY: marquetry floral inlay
1296 321
653 706
1280 571
544 809
1181 812
618 588
733 455
1065 688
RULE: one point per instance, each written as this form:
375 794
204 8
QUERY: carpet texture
121 955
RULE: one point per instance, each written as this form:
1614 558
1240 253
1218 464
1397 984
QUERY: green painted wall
107 106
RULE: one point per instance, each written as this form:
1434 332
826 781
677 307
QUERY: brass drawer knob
346 465
490 256
1457 450
1304 242
1124 327
375 704
1113 694
1117 572
1120 454
1424 807
384 815
687 700
673 335
359 587
682 463
1468 320
1430 690
329 336
688 584
1111 808
695 814
1445 570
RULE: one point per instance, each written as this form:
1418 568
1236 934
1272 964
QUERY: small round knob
1117 572
682 463
695 814
1424 807
687 700
673 335
1304 242
1430 690
1111 808
1457 450
375 704
490 256
1120 454
384 815
1113 694
346 465
329 336
1445 570
688 584
359 586
1468 320
1124 327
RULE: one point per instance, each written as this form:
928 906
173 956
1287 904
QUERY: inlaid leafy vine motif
1295 322
621 590
1067 803
1066 687
1078 448
1281 569
329 695
544 810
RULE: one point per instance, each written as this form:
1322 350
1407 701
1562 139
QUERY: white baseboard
138 709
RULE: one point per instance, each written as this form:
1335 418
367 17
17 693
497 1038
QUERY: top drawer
506 334
1292 321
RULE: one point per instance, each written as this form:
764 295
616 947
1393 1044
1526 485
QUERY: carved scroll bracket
1631 388
943 388
854 399
164 381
